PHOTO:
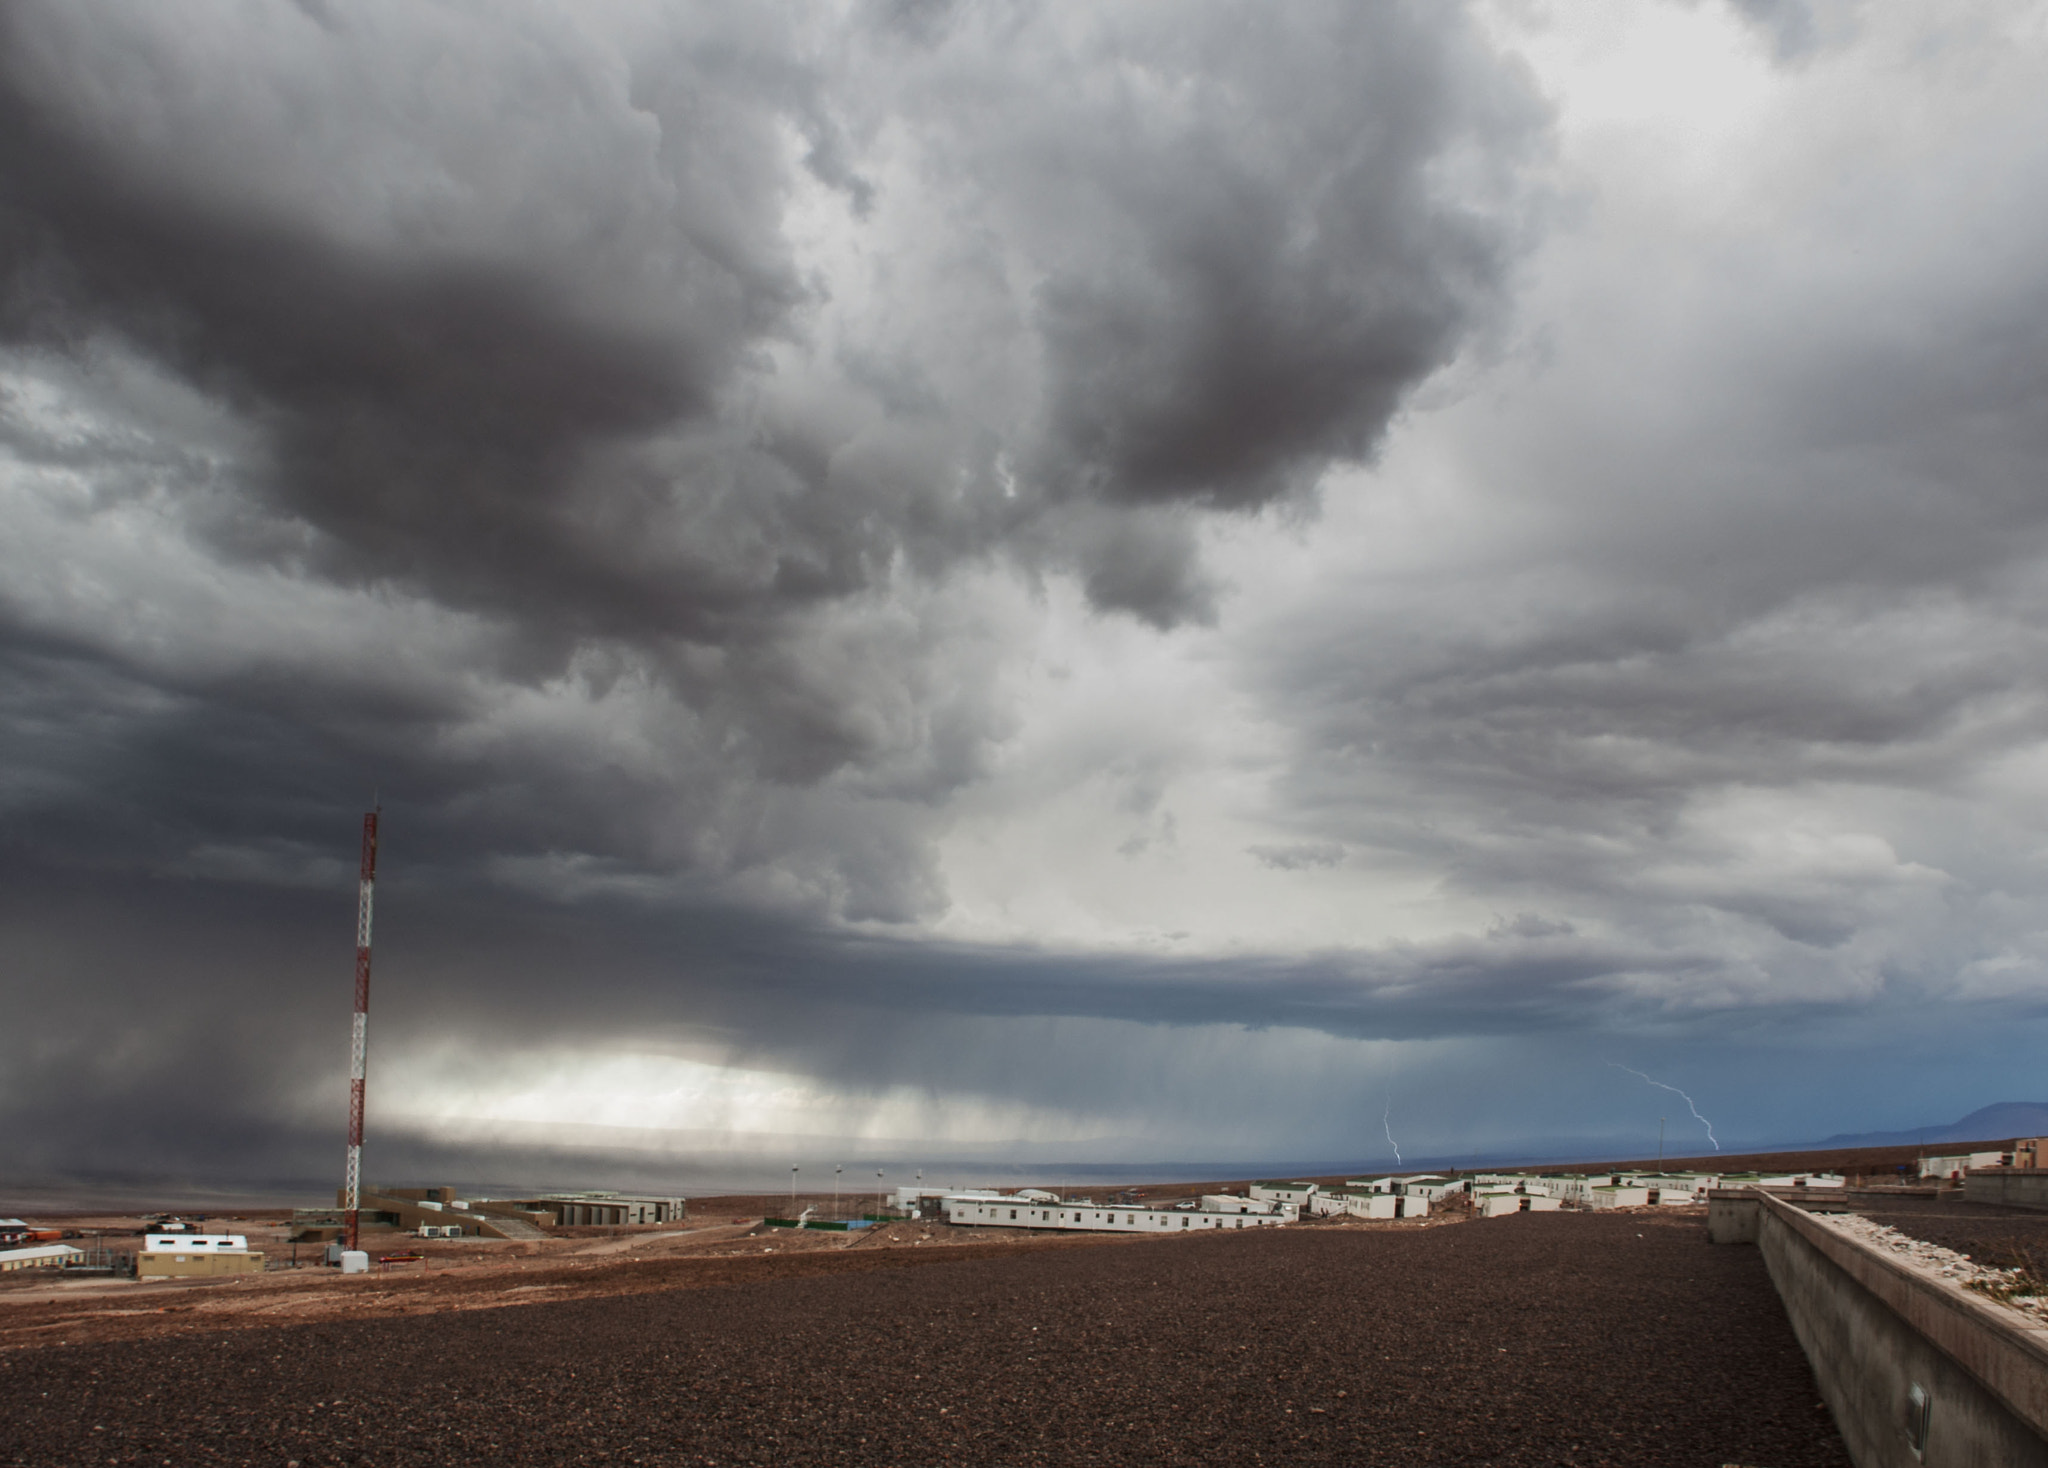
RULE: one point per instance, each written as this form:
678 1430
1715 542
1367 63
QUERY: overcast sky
933 583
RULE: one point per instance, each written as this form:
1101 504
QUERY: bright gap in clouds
1074 1089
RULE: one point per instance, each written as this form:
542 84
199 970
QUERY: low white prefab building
42 1256
1955 1164
1669 1188
910 1199
1432 1192
1017 1211
1608 1195
1296 1193
1231 1203
1815 1179
1432 1184
1494 1204
1374 1205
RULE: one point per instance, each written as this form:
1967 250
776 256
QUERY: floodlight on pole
836 1170
792 1192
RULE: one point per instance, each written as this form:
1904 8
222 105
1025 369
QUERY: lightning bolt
1387 1124
1676 1092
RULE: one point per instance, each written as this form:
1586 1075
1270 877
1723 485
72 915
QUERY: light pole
836 1170
792 1192
879 1191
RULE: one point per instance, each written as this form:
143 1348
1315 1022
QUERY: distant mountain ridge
2001 1120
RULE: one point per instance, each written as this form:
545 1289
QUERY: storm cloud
973 558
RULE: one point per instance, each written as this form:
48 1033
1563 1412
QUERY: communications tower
359 1028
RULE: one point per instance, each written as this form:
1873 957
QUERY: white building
1608 1195
197 1243
1492 1204
1231 1203
1672 1188
1955 1164
1429 1185
166 1255
1780 1180
1370 1205
1296 1193
42 1256
1018 1211
1564 1187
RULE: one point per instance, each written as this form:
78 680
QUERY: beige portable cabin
177 1256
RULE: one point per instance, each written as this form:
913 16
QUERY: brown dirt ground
482 1274
1604 1339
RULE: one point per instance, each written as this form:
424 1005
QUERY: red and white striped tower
359 1029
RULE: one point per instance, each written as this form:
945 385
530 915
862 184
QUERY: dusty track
470 1276
1616 1339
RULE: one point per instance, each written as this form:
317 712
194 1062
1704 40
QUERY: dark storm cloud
1237 286
500 348
431 417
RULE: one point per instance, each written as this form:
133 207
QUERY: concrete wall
1874 1331
2014 1187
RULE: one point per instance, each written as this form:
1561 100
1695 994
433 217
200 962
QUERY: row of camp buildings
1265 1204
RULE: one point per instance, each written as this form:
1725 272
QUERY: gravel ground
1533 1339
1989 1233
